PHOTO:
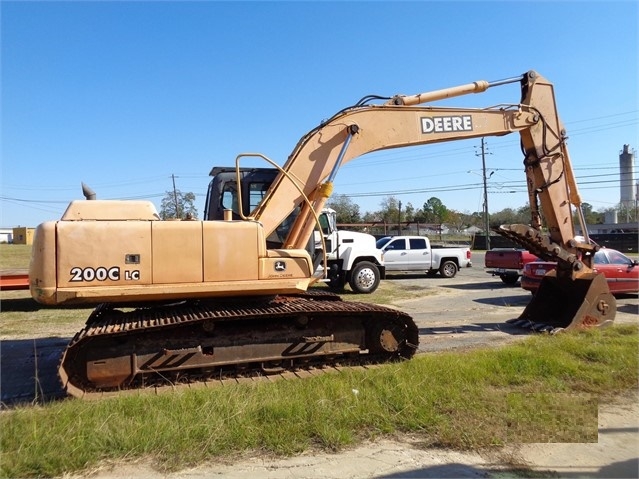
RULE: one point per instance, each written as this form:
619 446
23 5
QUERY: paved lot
472 308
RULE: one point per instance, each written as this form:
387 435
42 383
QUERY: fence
625 242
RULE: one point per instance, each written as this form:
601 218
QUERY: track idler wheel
393 338
569 303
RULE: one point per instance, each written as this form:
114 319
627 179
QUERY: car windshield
608 256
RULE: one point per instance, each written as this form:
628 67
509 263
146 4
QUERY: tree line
392 211
433 211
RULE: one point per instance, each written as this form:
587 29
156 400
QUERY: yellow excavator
191 300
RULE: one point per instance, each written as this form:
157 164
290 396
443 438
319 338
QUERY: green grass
14 256
545 388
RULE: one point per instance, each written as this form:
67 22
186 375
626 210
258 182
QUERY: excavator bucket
569 303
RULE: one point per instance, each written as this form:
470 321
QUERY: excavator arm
362 129
407 121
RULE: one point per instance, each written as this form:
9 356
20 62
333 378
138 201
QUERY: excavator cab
222 195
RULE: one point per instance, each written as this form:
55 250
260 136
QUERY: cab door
396 255
419 256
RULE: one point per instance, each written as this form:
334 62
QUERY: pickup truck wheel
448 269
510 280
364 278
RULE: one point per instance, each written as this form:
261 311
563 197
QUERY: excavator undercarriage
122 348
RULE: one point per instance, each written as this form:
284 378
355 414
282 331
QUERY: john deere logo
280 266
446 124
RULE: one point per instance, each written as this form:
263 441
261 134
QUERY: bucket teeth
527 324
521 323
544 328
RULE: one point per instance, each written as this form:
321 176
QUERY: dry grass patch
22 317
14 256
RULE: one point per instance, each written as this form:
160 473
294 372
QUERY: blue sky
124 95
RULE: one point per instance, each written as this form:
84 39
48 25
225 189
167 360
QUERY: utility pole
177 206
486 219
399 219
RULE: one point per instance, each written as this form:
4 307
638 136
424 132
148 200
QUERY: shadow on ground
477 328
508 301
628 308
29 370
617 470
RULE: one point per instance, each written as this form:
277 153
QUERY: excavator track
193 341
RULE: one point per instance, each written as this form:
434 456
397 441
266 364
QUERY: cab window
600 258
417 243
617 258
396 244
229 198
257 190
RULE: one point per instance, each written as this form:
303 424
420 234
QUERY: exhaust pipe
88 193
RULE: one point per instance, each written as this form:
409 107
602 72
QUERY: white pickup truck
414 253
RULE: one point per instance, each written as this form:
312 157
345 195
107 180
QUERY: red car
621 272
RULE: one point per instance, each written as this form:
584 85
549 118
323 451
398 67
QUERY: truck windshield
324 223
382 242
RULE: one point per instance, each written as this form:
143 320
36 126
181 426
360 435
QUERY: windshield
325 223
382 242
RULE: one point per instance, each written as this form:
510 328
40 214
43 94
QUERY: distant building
472 230
22 235
6 235
609 228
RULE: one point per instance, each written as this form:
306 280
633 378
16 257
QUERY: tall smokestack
626 177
